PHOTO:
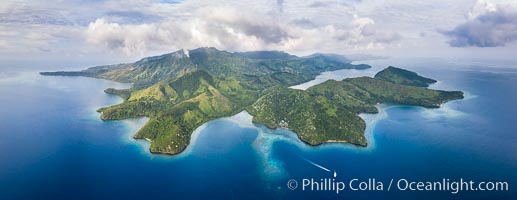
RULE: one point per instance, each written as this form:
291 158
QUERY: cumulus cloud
237 29
128 38
492 26
479 8
363 29
221 27
147 27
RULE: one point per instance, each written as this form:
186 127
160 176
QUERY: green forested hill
315 118
403 77
328 111
177 107
182 90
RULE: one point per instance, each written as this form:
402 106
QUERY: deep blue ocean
54 146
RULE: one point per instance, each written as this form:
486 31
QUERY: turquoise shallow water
53 145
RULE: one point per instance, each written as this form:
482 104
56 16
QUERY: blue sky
100 31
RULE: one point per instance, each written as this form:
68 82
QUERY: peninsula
182 90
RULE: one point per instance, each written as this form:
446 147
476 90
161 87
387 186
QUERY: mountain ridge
150 70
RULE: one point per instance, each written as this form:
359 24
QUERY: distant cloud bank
237 29
494 28
132 29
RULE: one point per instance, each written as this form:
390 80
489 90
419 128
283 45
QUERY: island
182 90
403 77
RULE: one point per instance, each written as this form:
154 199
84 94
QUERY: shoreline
369 118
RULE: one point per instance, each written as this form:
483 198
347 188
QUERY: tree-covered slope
266 54
387 92
403 77
177 107
328 111
315 119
